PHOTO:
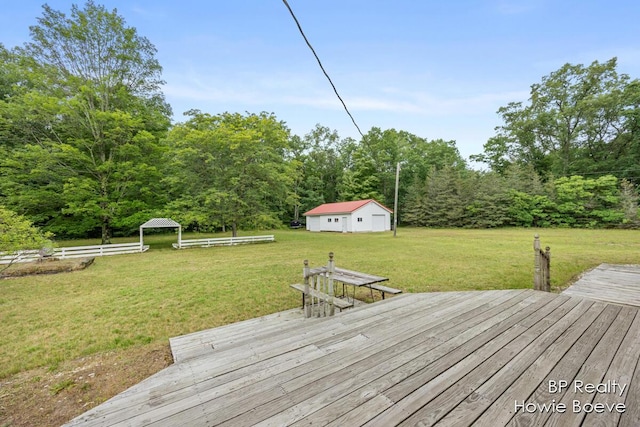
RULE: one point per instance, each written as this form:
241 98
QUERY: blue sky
438 69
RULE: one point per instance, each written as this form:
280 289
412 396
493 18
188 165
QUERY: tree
374 161
440 200
629 203
489 206
586 202
576 122
18 234
93 119
323 158
229 169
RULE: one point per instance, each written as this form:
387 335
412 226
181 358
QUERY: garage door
378 222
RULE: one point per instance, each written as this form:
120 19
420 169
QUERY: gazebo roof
160 223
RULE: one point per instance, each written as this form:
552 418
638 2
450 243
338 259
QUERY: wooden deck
618 284
489 358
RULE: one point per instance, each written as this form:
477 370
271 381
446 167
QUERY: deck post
536 266
305 295
331 270
547 269
318 300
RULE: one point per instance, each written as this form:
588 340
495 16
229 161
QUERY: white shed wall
366 213
322 223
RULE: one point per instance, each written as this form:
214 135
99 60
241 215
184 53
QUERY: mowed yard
130 301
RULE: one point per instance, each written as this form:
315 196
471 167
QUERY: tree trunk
106 231
234 230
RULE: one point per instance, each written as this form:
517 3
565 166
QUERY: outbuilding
349 217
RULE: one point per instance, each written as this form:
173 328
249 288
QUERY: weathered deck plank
471 395
314 378
457 358
618 284
566 369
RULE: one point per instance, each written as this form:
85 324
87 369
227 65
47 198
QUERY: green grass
141 299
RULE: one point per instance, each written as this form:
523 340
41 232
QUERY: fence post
305 294
331 268
536 264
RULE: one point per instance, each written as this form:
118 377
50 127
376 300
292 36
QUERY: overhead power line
321 67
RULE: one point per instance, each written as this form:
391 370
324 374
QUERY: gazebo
160 223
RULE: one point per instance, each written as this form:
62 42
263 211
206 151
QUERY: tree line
87 148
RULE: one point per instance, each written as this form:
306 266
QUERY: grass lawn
136 300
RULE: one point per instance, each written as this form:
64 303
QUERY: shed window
359 219
328 219
335 219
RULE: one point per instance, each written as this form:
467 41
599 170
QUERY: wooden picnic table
355 279
319 282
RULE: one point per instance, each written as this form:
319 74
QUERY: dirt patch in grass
43 398
47 266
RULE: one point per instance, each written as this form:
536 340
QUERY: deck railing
542 267
319 280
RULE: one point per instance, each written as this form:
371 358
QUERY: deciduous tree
229 169
17 234
93 118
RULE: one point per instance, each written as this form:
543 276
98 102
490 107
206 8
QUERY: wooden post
305 294
536 266
331 270
547 269
319 281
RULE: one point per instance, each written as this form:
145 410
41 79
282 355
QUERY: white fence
223 241
20 256
75 252
99 250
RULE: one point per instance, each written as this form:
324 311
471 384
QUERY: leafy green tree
229 169
586 202
529 210
576 121
92 121
18 234
323 158
374 161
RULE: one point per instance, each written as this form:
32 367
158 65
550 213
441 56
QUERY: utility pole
395 203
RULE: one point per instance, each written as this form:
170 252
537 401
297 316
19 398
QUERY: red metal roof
342 207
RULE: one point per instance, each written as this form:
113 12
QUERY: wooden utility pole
395 202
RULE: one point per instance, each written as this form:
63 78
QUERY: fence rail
222 241
99 250
542 267
74 252
20 256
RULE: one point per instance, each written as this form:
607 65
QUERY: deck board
450 358
618 284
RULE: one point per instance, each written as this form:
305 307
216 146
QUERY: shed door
378 222
313 223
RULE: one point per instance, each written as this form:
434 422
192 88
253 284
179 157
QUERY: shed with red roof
350 217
